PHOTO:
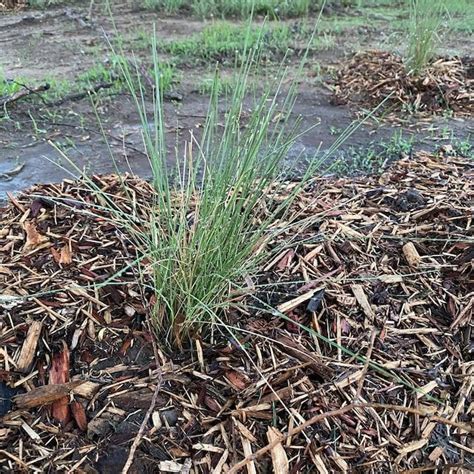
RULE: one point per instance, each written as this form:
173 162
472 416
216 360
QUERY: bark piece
45 395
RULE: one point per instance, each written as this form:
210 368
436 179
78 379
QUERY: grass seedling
8 86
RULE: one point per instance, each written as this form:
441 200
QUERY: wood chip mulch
7 5
371 76
383 275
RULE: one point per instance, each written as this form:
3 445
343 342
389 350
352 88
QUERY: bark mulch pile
6 5
384 277
371 76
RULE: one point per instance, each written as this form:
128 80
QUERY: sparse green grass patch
464 147
111 71
108 74
460 15
226 42
9 86
223 41
237 8
168 6
218 84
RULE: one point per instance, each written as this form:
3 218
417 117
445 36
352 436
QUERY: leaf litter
367 365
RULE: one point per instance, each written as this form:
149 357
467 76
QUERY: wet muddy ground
60 43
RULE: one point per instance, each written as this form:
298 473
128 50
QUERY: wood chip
279 458
411 254
232 394
28 349
361 298
295 302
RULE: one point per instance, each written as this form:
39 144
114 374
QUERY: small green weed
100 73
111 71
372 158
168 6
9 86
463 147
44 3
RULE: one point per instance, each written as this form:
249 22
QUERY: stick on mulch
372 76
22 93
385 270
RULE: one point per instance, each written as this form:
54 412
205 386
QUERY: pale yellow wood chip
170 466
413 446
295 302
390 278
28 349
361 298
247 448
278 453
422 391
349 232
31 432
319 464
244 431
349 379
436 453
208 447
86 389
411 254
222 461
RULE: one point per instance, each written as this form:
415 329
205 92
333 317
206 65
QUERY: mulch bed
6 5
371 76
384 272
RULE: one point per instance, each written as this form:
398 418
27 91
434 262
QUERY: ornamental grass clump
426 18
212 211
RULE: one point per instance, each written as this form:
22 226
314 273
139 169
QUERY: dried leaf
33 238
